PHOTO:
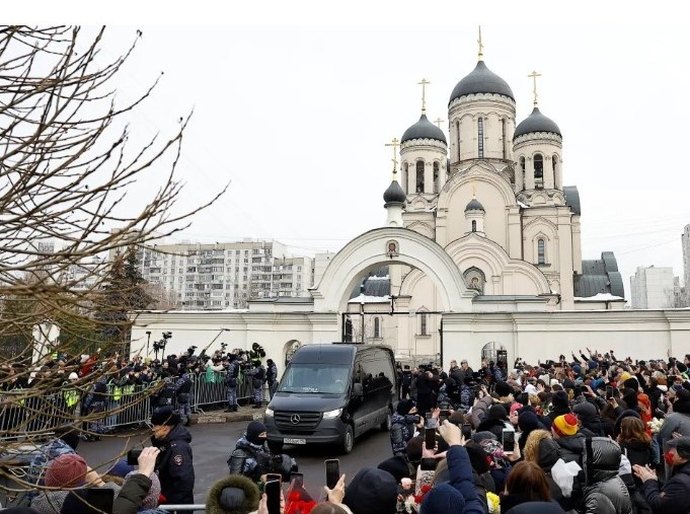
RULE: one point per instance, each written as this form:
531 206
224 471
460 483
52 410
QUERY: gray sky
295 106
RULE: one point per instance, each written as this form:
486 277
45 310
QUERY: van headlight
332 414
269 412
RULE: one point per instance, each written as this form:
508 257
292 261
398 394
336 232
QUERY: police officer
257 375
233 371
175 465
271 377
183 389
251 453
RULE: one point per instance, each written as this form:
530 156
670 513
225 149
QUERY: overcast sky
294 108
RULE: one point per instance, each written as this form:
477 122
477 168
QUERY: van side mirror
357 389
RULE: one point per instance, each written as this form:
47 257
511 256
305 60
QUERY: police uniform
257 376
233 372
175 464
272 377
183 389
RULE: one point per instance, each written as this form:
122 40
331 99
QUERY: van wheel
388 422
348 442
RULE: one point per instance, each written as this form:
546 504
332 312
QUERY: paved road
213 443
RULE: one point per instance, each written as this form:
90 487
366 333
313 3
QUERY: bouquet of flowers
655 425
494 502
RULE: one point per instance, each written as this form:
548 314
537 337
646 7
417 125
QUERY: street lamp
148 340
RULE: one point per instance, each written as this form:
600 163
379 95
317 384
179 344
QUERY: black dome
481 80
474 205
536 122
423 129
394 193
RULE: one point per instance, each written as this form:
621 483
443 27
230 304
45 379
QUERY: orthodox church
479 256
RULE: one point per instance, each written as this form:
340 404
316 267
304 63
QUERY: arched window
348 330
522 171
419 188
538 171
404 184
480 137
423 329
474 225
503 136
457 132
436 177
556 181
377 328
541 251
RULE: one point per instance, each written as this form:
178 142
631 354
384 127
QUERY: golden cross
438 122
481 46
534 76
423 83
395 144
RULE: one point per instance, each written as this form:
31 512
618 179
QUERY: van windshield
315 378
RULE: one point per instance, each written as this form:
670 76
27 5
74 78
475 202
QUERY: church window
541 251
480 137
503 136
436 177
474 225
404 177
420 177
522 170
554 161
457 132
377 328
538 171
423 329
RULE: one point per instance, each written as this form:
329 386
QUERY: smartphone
508 440
273 491
297 478
430 438
443 415
332 472
466 431
432 423
609 392
274 476
133 456
99 498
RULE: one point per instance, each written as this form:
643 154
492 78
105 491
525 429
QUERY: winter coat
175 466
460 473
571 447
132 495
402 430
481 410
674 422
673 497
50 501
253 456
605 492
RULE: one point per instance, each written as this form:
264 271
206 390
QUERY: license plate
294 441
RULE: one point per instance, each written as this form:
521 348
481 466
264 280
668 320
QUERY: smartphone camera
332 472
430 438
508 441
466 431
133 456
273 491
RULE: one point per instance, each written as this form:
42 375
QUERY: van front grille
293 421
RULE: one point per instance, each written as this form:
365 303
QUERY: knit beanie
254 429
497 411
443 499
528 421
565 425
371 491
479 458
515 407
121 468
478 437
503 389
630 398
151 500
632 383
67 470
585 410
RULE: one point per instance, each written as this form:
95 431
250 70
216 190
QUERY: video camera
281 464
191 350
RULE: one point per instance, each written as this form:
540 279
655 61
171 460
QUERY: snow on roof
385 277
600 297
524 206
370 299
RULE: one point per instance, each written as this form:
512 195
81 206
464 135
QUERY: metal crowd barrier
212 390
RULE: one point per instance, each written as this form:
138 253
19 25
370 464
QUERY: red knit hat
67 470
565 425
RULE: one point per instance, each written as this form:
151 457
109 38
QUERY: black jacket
175 466
673 497
132 494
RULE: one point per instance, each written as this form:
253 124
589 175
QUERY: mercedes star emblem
295 419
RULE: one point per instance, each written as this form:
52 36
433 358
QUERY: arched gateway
384 246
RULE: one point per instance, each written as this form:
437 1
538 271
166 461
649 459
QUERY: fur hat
234 494
165 416
67 470
503 389
565 425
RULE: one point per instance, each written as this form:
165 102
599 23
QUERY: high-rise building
685 243
652 288
224 275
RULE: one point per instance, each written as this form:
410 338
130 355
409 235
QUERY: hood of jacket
215 501
573 443
602 459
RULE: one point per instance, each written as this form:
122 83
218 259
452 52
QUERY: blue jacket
460 473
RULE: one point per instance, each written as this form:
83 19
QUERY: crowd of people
586 434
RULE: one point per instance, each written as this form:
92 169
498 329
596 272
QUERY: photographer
252 458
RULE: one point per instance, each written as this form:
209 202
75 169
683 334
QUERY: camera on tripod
191 350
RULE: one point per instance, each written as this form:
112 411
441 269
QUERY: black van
332 393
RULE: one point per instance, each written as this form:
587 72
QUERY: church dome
474 205
423 129
481 80
394 193
536 122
